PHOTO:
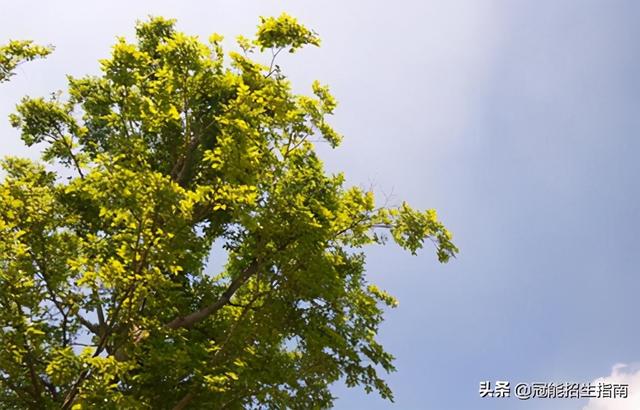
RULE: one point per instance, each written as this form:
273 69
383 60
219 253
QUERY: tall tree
106 300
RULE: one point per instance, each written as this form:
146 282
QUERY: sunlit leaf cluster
17 52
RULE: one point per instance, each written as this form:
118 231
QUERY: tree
105 295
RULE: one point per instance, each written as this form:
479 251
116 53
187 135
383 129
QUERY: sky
516 120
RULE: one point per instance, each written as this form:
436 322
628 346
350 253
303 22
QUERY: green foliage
17 52
282 32
106 300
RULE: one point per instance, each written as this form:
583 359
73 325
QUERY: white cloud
620 374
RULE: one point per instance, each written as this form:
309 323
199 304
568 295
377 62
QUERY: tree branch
198 316
69 147
184 402
273 60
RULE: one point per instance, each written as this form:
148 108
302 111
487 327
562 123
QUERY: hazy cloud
620 374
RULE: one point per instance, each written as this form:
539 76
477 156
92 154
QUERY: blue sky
516 120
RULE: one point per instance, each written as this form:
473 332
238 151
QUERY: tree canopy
173 149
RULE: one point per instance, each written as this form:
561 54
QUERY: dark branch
198 316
